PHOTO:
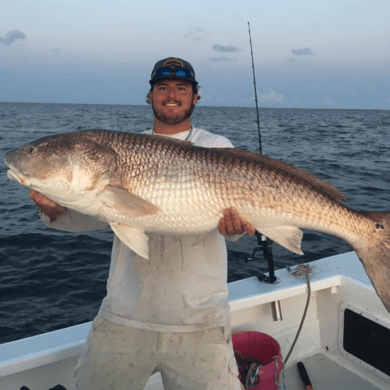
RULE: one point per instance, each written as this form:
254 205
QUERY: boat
344 341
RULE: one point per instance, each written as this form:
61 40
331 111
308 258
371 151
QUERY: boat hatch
366 339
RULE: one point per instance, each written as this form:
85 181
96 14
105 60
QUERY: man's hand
47 206
231 223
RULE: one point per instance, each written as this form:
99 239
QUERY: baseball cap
173 68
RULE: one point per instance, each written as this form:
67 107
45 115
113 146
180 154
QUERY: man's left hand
231 223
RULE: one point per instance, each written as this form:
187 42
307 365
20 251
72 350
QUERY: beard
173 120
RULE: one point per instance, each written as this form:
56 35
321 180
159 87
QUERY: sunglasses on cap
172 72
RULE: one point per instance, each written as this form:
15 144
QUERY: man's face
172 101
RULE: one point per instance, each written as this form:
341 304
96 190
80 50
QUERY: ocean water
51 279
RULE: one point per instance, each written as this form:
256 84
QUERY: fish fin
289 237
285 168
127 203
374 253
101 158
133 238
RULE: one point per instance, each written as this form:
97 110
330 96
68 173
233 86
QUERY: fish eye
31 150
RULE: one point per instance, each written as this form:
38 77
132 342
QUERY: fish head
62 166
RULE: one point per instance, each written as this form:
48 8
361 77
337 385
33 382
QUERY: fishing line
301 270
263 242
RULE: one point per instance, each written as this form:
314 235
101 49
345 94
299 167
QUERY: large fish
142 183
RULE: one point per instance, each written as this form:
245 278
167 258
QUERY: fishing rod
254 84
264 243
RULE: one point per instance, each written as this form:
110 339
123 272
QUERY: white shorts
122 358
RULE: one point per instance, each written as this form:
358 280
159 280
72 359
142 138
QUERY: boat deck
326 374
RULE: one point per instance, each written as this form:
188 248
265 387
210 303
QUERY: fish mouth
15 175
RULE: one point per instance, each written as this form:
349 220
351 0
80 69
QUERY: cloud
11 37
56 51
223 58
291 60
197 33
272 96
302 52
226 49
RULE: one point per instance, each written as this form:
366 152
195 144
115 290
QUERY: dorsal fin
286 168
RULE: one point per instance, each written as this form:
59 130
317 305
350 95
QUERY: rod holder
276 311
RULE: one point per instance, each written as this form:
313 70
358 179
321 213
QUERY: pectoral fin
289 237
133 238
127 203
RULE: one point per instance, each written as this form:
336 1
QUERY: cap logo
173 63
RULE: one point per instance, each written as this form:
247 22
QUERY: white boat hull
338 283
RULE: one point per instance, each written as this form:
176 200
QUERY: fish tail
374 253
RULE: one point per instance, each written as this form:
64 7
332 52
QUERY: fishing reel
264 244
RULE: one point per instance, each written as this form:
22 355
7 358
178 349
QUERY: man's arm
61 218
47 206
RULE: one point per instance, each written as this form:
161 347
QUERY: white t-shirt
181 288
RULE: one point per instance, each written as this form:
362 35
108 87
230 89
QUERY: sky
307 53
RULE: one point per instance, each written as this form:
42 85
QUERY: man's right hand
47 206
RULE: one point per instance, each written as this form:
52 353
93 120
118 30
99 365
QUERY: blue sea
50 279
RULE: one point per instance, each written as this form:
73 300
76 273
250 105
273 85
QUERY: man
170 313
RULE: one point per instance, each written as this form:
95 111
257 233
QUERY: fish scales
235 182
178 175
142 183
